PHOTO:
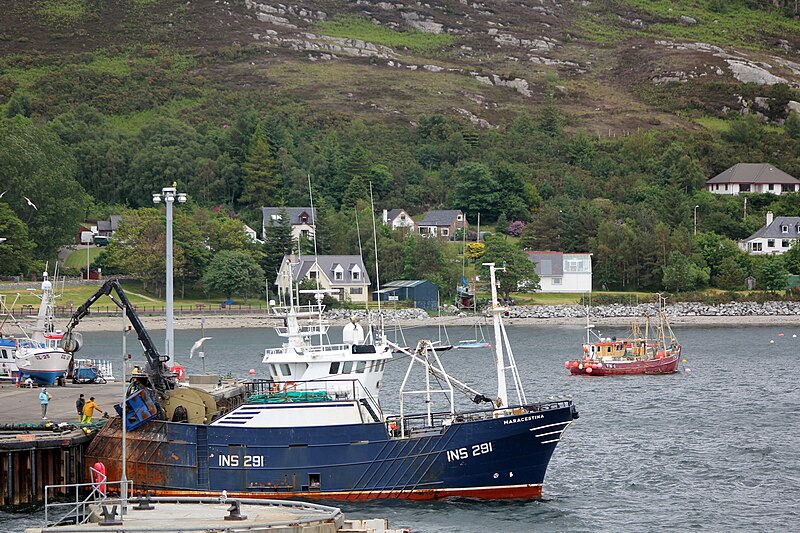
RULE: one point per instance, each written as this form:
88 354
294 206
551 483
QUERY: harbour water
716 448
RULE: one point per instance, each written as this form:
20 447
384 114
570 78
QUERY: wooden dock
35 453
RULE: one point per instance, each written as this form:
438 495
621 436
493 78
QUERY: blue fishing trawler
329 438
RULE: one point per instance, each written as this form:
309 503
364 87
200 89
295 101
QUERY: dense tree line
630 200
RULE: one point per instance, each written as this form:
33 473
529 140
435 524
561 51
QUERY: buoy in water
683 360
771 341
794 336
567 364
252 371
688 370
575 364
588 370
780 334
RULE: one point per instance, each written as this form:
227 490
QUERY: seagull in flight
30 203
3 193
197 345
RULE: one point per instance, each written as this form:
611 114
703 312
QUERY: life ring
289 385
99 477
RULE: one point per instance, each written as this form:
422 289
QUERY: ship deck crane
160 378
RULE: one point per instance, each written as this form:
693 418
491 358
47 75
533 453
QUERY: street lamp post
169 194
695 219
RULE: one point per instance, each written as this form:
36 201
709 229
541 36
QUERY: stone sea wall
683 309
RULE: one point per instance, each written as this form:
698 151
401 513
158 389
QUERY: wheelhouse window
334 368
286 370
360 367
348 367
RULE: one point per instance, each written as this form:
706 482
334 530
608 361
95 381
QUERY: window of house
334 368
726 186
356 290
770 243
445 232
771 186
716 187
338 273
755 246
787 188
784 229
312 274
786 243
744 187
556 281
304 233
576 265
460 218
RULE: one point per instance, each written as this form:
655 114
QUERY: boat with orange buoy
639 353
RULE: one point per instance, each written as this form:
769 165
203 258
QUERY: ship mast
501 342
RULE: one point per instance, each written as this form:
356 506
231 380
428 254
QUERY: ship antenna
377 271
317 295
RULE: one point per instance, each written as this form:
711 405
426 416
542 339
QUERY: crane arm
160 378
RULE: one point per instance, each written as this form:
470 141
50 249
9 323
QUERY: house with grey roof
563 272
399 219
752 177
107 228
344 275
301 218
442 223
776 237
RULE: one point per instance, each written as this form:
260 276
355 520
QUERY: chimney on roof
385 216
769 218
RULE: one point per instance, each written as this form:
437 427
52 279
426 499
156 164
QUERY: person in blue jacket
44 399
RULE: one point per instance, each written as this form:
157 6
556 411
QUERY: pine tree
261 179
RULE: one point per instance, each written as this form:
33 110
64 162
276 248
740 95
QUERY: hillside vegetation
595 123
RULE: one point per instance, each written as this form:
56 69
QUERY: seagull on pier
30 203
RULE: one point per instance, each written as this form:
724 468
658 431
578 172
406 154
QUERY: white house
563 272
343 274
776 237
398 218
301 218
752 177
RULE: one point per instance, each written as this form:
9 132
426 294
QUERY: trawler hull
494 455
664 365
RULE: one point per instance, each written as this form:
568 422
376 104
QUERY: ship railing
299 311
315 349
417 424
88 498
303 331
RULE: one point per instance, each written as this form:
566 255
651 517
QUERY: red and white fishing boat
636 354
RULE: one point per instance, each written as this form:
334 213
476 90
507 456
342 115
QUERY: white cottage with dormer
345 275
776 237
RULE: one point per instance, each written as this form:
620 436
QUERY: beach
188 322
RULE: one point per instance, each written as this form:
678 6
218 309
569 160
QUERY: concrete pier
205 514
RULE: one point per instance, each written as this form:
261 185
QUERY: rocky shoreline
686 313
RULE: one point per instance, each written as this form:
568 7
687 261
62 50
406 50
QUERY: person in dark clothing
79 406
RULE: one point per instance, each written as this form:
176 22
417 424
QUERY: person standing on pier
79 406
88 410
44 399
